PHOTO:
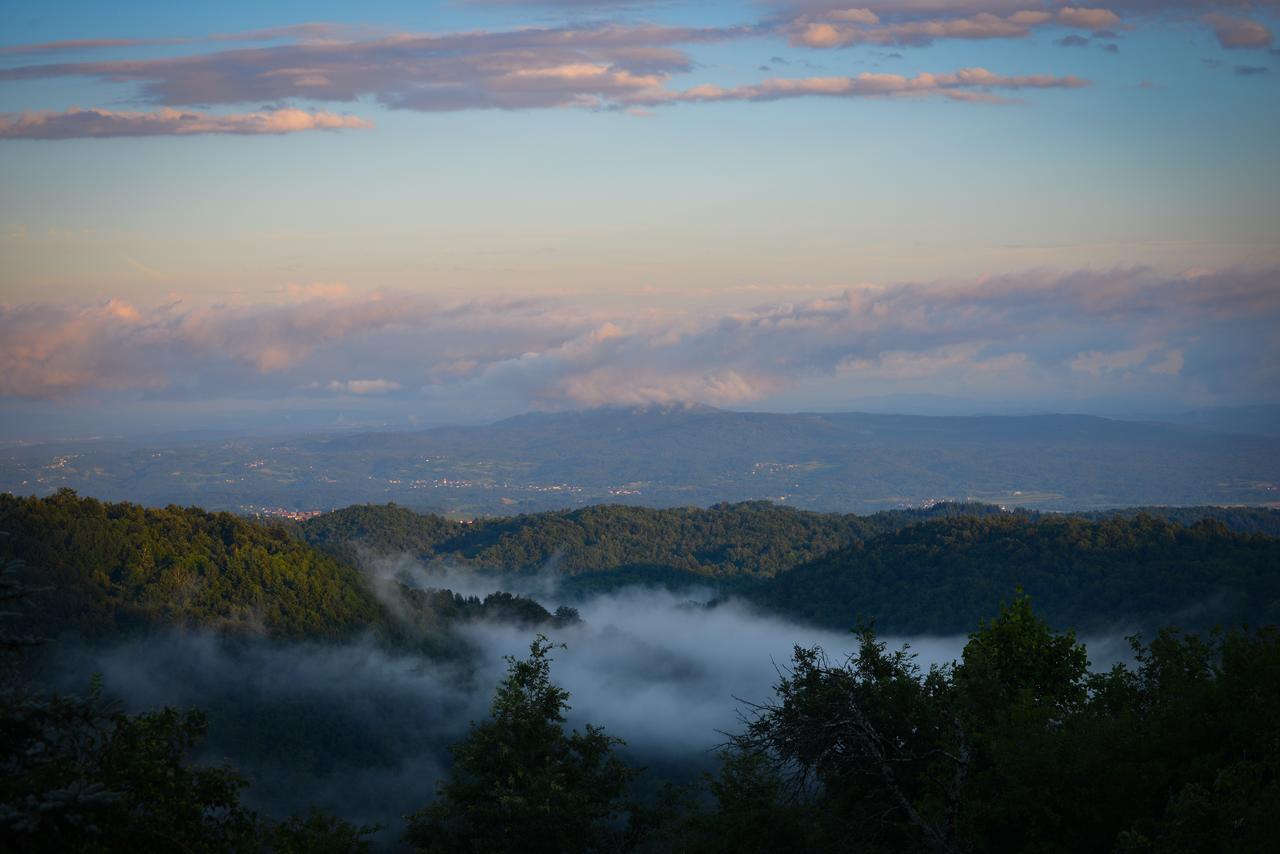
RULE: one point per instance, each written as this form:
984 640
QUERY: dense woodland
1127 571
121 567
933 571
1017 746
754 538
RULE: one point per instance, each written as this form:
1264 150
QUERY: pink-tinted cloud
969 84
916 24
836 23
1238 32
357 387
837 33
1207 332
76 123
601 67
1089 19
512 69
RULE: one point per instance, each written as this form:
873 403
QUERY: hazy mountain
1261 420
683 455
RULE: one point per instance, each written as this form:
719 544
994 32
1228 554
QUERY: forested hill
754 538
1122 572
120 567
115 568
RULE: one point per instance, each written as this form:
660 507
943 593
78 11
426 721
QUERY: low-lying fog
365 731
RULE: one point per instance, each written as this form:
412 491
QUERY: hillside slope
1124 572
117 568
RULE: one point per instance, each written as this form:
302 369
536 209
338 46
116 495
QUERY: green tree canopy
520 782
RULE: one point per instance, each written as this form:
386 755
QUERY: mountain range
683 456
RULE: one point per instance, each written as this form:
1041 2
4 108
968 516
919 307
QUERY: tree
875 744
945 760
520 782
78 774
1020 690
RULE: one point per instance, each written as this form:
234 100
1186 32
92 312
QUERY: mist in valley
364 728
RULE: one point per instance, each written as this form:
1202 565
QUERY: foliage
77 774
935 570
121 568
431 607
520 783
1019 747
943 576
756 538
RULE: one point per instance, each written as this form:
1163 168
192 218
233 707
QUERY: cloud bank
1199 337
365 731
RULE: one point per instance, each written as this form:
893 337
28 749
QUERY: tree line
1017 746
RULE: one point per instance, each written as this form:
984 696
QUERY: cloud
821 24
525 68
77 123
364 729
594 66
303 32
919 24
843 32
1050 332
303 340
969 84
603 66
1089 19
361 387
1235 33
650 666
1251 70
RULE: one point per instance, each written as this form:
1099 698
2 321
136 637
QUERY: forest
174 678
1016 746
121 567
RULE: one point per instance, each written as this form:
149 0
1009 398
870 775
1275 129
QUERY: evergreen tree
521 783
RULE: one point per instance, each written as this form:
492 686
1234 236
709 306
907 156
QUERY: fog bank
364 731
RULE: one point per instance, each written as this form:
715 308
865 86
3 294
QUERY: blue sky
462 210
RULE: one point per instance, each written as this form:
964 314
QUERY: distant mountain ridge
1259 420
684 456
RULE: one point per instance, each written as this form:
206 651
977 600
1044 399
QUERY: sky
247 214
